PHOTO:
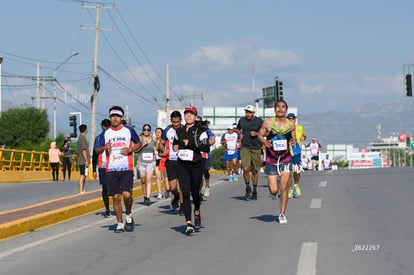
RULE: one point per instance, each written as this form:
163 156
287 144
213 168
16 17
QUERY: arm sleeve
94 160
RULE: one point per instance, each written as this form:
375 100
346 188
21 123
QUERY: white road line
323 183
307 259
75 230
316 203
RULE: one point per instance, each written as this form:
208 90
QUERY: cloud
311 88
141 74
218 55
241 56
277 58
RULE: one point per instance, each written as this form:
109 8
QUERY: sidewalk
31 218
46 212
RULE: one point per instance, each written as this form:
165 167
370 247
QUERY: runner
231 152
100 161
167 139
305 162
248 128
296 159
327 163
206 159
158 173
146 162
190 141
280 133
315 148
117 142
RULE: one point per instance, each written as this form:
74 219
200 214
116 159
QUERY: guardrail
21 160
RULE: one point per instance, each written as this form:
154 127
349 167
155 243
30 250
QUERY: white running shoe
160 196
207 192
282 219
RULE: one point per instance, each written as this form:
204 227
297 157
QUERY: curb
48 218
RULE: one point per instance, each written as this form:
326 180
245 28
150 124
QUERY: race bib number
147 156
279 145
186 154
173 155
231 152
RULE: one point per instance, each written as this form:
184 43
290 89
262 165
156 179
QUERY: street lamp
54 92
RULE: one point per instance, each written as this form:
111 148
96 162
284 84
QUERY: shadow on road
265 218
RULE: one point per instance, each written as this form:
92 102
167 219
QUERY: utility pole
1 75
95 79
167 106
38 86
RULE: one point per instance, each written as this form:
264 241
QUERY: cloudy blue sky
331 55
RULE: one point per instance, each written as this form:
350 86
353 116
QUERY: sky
332 56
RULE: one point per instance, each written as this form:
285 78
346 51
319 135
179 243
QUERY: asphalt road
346 222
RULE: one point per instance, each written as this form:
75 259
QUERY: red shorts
162 167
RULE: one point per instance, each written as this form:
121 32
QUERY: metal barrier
21 160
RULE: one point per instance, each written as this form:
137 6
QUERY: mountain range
359 127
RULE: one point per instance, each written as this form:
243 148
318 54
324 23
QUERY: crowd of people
179 156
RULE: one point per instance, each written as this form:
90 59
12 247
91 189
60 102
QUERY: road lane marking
316 203
323 183
75 230
307 259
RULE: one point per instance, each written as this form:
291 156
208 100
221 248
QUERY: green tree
20 127
217 158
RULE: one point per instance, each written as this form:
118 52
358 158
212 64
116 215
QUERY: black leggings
66 164
55 170
102 173
189 177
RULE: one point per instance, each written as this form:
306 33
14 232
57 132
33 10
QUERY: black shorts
206 164
171 166
157 162
315 158
82 170
119 181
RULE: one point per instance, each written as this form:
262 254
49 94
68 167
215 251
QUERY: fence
21 160
21 165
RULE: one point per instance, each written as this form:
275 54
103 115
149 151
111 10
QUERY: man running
231 152
280 133
117 141
167 139
248 129
327 163
315 148
296 159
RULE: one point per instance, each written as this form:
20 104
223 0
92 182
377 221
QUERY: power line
143 53
125 87
132 52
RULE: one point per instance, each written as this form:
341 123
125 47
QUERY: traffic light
279 90
72 122
408 141
408 86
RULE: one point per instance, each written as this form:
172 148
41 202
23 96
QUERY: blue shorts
272 170
296 159
119 181
228 157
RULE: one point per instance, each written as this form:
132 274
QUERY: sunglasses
147 129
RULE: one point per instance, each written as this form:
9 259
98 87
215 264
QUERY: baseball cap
313 138
291 115
234 125
230 127
190 109
249 108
